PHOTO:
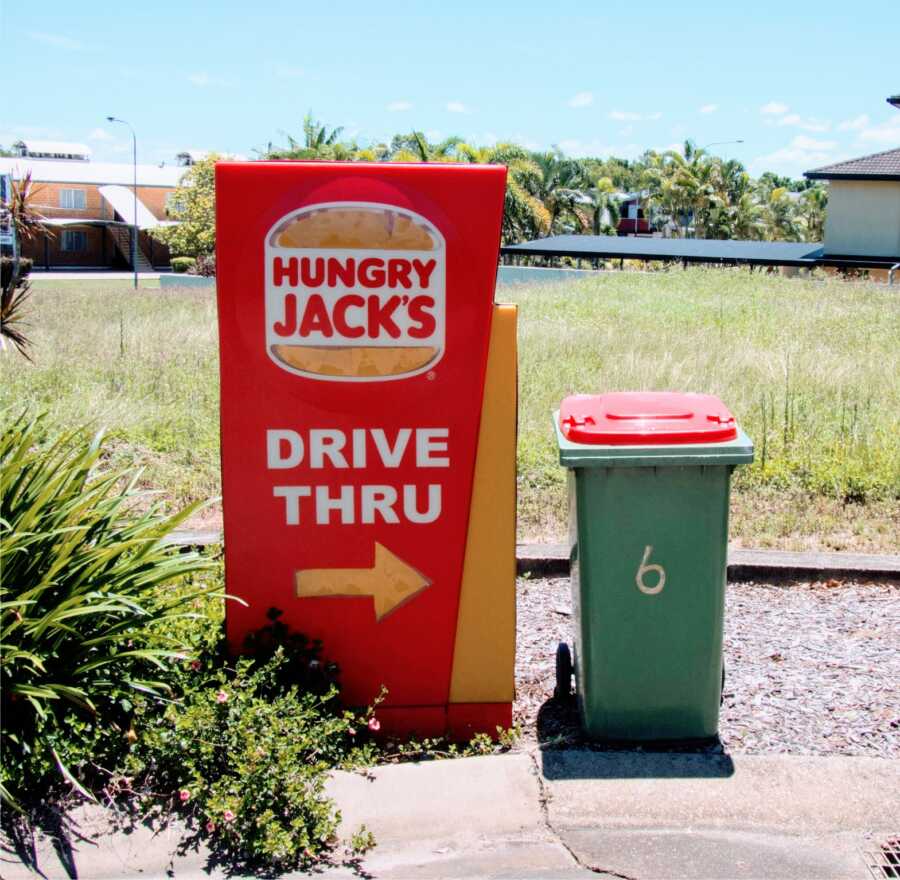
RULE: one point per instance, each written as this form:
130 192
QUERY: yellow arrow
390 582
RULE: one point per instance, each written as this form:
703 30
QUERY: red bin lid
646 417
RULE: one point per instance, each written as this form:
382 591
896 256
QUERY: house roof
62 171
878 166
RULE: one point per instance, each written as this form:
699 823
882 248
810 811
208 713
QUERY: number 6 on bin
643 568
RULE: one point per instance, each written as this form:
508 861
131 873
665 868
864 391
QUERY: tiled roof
878 166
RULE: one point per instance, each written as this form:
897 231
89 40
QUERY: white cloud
579 148
807 143
398 106
582 99
886 133
709 108
801 154
523 140
630 116
204 80
774 108
624 132
57 41
806 124
100 134
457 107
855 124
434 135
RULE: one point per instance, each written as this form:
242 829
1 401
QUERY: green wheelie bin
649 477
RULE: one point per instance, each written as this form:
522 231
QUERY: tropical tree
26 223
605 207
812 206
524 213
414 147
563 190
194 207
780 217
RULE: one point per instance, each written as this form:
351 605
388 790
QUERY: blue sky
801 83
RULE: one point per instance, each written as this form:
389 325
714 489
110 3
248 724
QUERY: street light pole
134 231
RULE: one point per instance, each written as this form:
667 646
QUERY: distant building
632 218
89 206
863 217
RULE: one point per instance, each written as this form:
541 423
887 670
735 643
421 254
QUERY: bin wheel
722 693
563 672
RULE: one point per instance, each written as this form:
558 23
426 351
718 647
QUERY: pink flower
196 665
184 795
210 827
351 731
374 724
221 697
228 816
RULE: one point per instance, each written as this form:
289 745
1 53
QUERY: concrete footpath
568 814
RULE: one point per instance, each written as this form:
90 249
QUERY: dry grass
811 369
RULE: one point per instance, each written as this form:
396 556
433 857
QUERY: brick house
89 206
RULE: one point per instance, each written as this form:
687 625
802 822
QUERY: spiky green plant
87 580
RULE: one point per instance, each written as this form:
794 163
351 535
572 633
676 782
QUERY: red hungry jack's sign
355 306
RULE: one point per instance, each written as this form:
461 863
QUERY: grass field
811 369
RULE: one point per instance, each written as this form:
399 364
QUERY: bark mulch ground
812 668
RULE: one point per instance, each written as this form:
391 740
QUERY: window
74 240
174 203
73 199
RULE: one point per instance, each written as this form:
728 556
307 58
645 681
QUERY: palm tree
316 136
605 205
414 147
564 185
780 217
318 143
26 223
524 214
813 204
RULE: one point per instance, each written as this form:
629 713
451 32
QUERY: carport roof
695 250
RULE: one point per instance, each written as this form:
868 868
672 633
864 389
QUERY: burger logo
355 292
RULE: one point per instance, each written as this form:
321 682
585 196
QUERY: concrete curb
564 814
402 801
546 560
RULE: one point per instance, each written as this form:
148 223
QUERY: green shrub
183 264
83 616
244 760
242 751
205 266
